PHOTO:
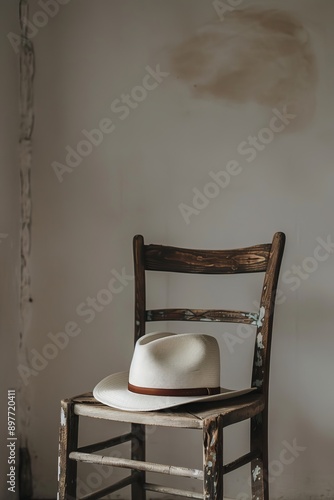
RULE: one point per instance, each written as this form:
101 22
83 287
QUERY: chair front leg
68 441
138 452
213 458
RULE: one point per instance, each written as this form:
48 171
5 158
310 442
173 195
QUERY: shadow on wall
252 55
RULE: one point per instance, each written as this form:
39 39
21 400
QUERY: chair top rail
182 260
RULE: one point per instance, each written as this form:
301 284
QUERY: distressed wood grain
213 458
137 465
68 441
205 315
138 454
183 260
172 491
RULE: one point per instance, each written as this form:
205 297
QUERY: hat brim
113 391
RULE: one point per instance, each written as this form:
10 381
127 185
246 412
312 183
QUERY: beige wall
9 227
134 181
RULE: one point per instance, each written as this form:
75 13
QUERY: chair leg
138 453
68 441
213 458
259 467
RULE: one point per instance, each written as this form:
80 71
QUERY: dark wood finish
213 458
259 485
260 376
215 315
260 466
183 260
261 366
140 286
239 462
68 442
138 452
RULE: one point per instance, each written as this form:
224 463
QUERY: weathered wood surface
259 489
207 315
213 481
260 466
140 286
239 462
261 361
169 418
68 441
137 465
189 416
138 453
183 260
172 491
233 410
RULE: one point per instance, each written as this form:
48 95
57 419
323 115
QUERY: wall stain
258 55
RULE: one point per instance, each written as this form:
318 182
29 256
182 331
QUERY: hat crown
164 360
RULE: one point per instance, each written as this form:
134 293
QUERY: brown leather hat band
200 391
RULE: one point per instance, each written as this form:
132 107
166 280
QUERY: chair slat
239 462
182 260
126 463
216 315
172 491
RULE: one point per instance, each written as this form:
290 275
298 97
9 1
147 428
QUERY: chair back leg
138 443
259 466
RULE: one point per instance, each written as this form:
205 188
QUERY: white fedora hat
167 370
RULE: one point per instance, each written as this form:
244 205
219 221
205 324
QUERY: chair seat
190 416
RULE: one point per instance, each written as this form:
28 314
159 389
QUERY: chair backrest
265 258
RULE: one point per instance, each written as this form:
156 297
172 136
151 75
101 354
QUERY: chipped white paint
259 339
253 316
62 418
58 467
261 317
197 473
256 473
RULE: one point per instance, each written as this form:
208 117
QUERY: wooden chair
210 419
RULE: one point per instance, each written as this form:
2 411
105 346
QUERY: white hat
167 370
